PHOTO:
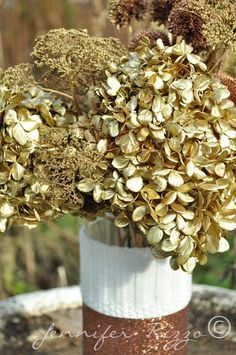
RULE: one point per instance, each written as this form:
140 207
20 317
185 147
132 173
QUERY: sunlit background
49 255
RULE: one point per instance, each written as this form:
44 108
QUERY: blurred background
49 255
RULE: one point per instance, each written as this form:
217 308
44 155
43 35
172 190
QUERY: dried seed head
184 22
160 9
121 12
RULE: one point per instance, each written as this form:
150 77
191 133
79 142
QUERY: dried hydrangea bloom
160 9
34 125
22 116
121 12
230 83
151 34
182 21
171 140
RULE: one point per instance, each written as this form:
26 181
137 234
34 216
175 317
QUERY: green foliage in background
39 258
220 269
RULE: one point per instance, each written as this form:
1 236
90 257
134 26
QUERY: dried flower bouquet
148 133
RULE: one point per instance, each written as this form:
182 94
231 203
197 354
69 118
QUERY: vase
133 303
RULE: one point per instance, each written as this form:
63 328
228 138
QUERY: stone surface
212 328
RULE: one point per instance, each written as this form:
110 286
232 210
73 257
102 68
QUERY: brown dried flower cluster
121 12
41 148
169 131
160 9
185 22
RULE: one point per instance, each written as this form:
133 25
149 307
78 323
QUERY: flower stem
58 92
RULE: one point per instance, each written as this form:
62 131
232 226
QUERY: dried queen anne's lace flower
18 77
71 60
169 131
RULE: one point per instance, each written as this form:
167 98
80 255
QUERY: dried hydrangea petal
6 210
155 235
175 179
135 183
139 213
122 221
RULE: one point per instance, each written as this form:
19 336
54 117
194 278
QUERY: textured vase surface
133 302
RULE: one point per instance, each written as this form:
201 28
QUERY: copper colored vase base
105 335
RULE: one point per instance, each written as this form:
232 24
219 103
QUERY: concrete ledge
215 299
39 303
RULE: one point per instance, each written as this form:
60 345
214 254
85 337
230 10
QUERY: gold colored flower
45 156
170 136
